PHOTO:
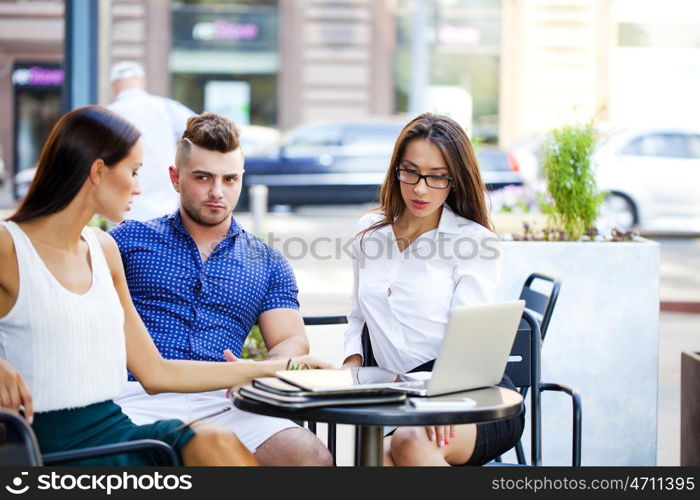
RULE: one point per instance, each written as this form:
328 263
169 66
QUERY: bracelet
291 365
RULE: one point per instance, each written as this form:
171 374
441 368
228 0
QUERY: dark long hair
466 197
78 139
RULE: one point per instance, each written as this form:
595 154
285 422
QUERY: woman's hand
309 362
14 392
441 434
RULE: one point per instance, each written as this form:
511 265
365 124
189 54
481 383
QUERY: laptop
474 353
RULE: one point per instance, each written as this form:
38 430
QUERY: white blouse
406 297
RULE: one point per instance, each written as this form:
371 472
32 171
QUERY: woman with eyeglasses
427 248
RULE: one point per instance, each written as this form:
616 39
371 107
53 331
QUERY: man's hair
209 131
126 69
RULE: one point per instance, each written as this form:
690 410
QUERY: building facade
506 69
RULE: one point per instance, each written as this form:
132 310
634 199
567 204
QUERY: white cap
126 69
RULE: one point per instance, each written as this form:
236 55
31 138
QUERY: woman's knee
408 445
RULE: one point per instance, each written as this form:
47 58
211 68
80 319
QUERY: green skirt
105 423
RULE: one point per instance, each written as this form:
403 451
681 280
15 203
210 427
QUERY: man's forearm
289 348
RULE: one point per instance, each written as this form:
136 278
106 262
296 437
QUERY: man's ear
174 178
97 171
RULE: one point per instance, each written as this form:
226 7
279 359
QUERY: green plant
254 346
573 200
101 222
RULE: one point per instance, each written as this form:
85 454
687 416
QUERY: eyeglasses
413 178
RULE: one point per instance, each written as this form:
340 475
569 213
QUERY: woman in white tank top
68 328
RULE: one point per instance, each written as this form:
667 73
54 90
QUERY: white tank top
69 348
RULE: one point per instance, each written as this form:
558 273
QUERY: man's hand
14 392
229 356
353 361
308 361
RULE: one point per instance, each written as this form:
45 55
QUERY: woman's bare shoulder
8 260
7 245
109 247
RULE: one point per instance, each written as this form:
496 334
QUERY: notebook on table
474 353
300 401
279 386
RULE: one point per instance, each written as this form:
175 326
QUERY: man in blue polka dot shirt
200 282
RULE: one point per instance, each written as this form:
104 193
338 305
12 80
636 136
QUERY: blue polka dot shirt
195 310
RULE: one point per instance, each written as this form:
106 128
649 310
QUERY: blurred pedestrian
161 122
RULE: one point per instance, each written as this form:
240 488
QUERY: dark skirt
101 424
493 439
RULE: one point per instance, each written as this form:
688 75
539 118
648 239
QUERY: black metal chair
524 371
319 321
540 303
19 447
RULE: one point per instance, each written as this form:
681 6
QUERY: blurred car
344 162
653 179
22 181
527 154
257 140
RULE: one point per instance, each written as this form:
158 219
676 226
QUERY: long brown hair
78 139
466 197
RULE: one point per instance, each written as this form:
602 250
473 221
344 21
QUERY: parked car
653 179
344 162
22 181
527 154
257 140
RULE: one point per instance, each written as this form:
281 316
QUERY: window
317 136
667 145
694 146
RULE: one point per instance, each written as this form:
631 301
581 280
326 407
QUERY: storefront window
37 89
464 38
225 58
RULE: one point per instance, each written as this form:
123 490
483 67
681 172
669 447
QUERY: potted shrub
603 337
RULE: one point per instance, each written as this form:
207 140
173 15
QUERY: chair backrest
315 321
518 367
18 445
325 320
540 293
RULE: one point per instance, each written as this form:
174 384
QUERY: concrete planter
602 340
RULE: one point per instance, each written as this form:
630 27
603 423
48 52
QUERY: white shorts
251 429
